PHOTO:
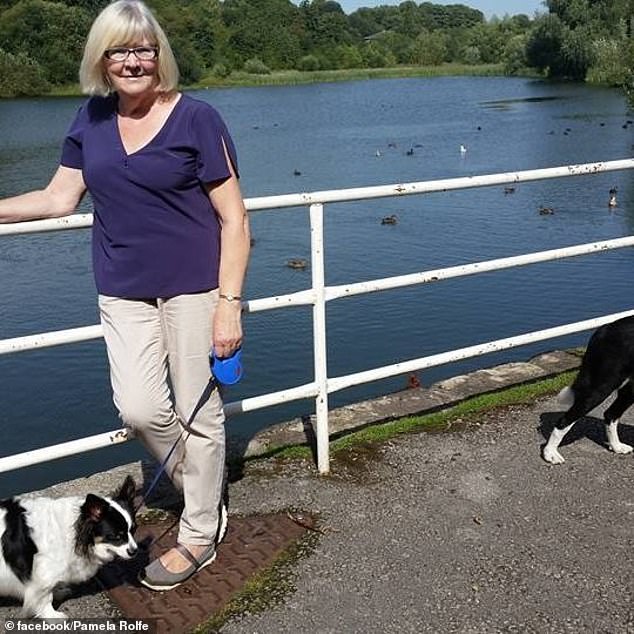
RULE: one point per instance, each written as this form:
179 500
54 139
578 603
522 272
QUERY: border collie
50 543
607 365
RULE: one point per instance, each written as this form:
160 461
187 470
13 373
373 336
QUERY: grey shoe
157 577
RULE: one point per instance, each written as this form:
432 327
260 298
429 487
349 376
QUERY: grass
435 421
292 77
296 77
266 588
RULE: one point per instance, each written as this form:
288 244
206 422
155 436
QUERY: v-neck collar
151 141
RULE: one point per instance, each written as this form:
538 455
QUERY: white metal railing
319 294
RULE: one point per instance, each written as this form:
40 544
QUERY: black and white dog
50 543
607 365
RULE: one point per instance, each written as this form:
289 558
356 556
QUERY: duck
546 211
297 263
389 220
612 201
509 190
296 173
410 152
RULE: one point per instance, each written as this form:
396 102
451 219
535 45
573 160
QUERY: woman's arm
235 244
59 198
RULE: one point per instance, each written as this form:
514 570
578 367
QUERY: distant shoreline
294 77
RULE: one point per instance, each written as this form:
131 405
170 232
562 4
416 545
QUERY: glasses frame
128 51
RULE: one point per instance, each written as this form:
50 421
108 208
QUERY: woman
170 249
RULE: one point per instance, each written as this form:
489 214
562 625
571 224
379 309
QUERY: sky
488 7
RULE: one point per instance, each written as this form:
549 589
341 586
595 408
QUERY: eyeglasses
121 53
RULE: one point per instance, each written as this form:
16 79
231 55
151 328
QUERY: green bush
348 56
256 66
608 67
428 49
221 70
308 63
20 76
471 55
373 55
515 55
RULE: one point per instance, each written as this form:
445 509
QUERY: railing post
319 335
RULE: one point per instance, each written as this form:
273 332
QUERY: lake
339 135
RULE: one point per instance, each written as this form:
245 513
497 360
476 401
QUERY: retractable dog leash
211 386
227 371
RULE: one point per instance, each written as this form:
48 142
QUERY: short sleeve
212 136
72 148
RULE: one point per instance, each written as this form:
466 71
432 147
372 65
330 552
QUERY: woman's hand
227 328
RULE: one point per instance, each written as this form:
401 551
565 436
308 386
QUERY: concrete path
467 531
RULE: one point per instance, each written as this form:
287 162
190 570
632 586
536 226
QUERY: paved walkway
468 531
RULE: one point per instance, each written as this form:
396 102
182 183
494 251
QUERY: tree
21 76
577 53
348 56
429 49
543 50
363 22
325 24
49 33
489 39
195 33
572 13
376 56
515 54
411 21
268 29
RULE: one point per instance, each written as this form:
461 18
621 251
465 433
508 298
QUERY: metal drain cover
251 544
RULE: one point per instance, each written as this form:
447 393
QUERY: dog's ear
127 492
93 508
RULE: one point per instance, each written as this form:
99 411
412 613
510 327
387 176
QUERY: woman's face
132 70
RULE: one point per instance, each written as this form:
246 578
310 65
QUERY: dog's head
105 526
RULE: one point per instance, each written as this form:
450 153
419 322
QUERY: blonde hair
123 23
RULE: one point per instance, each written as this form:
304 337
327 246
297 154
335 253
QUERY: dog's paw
51 613
552 456
620 447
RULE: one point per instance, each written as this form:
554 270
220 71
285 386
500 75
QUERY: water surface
338 136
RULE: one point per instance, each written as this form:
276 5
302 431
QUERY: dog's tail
566 397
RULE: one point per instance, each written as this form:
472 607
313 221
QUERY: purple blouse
155 232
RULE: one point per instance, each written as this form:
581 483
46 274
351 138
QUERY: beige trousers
153 344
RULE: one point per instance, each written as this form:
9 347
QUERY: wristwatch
229 297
